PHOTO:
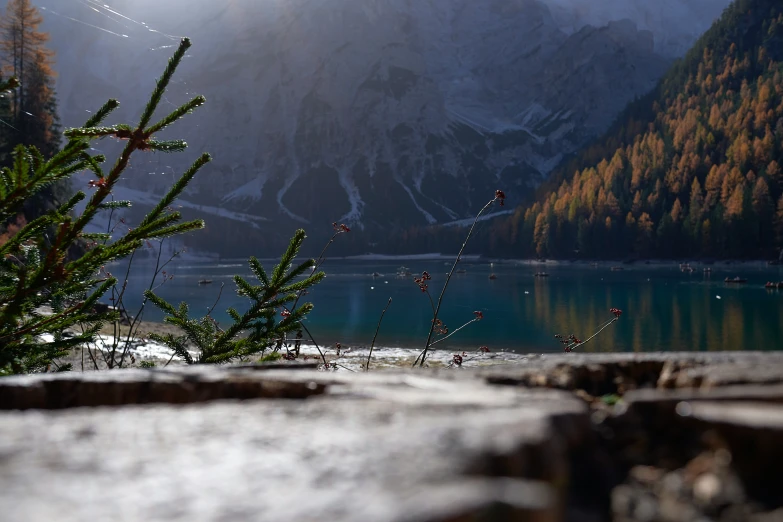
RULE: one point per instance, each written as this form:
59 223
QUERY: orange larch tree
24 55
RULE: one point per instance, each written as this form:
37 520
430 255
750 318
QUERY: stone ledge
122 387
597 374
494 443
600 374
357 454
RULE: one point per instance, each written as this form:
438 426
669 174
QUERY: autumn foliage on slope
693 169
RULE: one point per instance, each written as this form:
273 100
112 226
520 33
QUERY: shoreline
480 258
657 263
351 358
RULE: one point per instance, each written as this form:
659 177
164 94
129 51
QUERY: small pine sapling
284 342
268 319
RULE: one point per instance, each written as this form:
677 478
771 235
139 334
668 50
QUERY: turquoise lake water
663 308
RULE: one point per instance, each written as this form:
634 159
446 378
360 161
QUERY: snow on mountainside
380 113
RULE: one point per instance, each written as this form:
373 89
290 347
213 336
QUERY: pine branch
69 205
91 132
116 204
163 82
102 113
178 113
288 257
304 284
166 146
246 289
177 229
37 158
176 190
161 303
67 155
303 268
258 270
32 328
176 344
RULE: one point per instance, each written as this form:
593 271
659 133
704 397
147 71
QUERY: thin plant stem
109 228
432 305
170 359
216 300
427 345
138 317
323 357
320 260
433 343
377 329
602 328
120 305
92 355
89 350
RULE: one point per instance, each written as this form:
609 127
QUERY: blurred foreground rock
576 437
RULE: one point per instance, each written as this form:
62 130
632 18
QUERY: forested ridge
693 169
28 113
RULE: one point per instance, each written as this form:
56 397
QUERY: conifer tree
32 110
42 291
26 58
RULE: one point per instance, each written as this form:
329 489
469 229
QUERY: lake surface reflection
663 308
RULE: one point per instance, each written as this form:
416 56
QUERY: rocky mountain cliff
382 114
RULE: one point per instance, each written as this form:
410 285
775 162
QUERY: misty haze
385 115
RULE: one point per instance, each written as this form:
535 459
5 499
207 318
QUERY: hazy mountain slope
692 169
384 114
675 24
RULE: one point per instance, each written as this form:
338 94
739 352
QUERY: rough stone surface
369 447
752 433
115 388
575 437
599 374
